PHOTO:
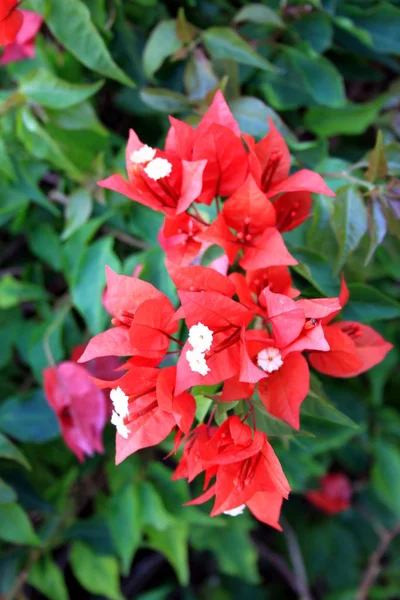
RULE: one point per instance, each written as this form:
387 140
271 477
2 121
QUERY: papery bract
334 495
11 19
23 46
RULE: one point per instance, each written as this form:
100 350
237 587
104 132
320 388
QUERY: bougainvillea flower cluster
240 328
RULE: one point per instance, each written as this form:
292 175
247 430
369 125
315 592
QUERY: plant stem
296 558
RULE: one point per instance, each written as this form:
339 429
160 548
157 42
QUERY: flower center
120 402
269 359
158 168
197 362
144 155
200 337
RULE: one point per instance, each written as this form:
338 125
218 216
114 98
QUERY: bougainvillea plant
241 332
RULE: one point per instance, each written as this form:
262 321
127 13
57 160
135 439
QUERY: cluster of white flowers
158 168
269 359
234 512
121 410
200 338
144 155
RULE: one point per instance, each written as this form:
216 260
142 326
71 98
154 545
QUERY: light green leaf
125 524
16 527
368 304
316 29
258 13
317 270
173 543
90 282
223 42
9 451
165 100
6 166
14 292
386 474
252 115
349 222
162 43
153 513
7 494
48 578
98 574
70 23
202 406
77 212
377 226
46 89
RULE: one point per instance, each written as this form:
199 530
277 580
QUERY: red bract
354 347
124 296
79 405
11 20
157 179
154 409
225 318
217 140
199 279
178 238
105 367
246 471
334 494
23 46
252 216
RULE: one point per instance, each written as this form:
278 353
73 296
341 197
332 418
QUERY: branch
127 239
280 565
374 564
302 587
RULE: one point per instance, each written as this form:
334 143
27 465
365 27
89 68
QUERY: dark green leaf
97 574
16 527
125 524
386 474
14 292
222 42
162 43
10 452
7 494
29 420
258 13
48 578
77 212
173 543
165 100
315 29
377 226
368 304
349 221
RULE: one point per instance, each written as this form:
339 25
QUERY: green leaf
386 474
9 451
377 226
317 270
48 578
268 424
14 292
77 212
352 119
252 115
44 242
6 166
90 282
319 408
125 524
316 29
29 420
368 304
70 23
153 513
7 494
46 89
173 543
323 81
199 77
16 527
223 42
98 574
286 89
349 222
258 13
382 22
162 43
377 167
165 100
202 407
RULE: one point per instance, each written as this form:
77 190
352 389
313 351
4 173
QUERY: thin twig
374 564
280 565
130 240
351 179
302 587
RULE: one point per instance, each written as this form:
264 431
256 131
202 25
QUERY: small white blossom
158 168
120 402
197 362
200 337
269 359
234 512
119 424
144 155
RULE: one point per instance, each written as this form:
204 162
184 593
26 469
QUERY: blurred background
328 74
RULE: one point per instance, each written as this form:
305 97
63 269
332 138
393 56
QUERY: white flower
269 359
144 155
120 402
158 168
197 362
234 512
119 424
200 337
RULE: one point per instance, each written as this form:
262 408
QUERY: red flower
252 216
246 471
354 347
23 45
216 139
105 367
11 20
125 296
157 179
79 405
199 279
178 238
334 494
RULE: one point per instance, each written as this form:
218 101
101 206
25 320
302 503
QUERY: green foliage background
327 72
